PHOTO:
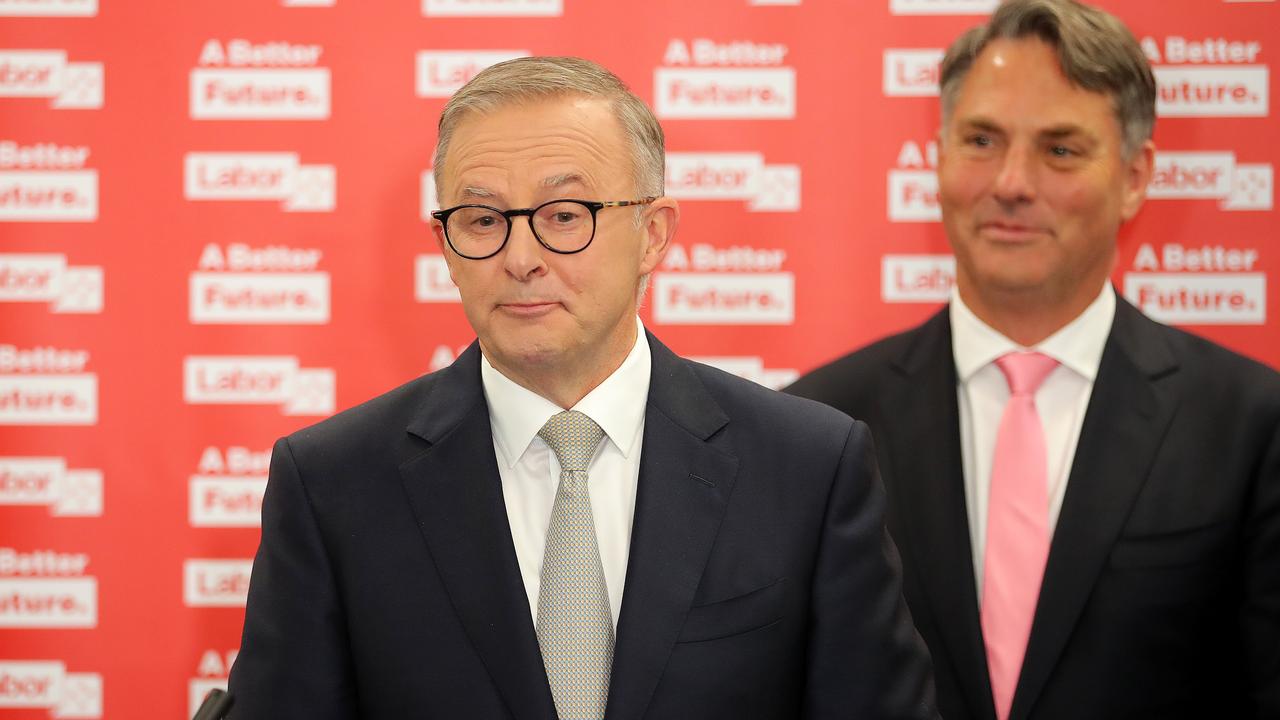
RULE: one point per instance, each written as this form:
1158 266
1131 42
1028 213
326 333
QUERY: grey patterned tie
575 628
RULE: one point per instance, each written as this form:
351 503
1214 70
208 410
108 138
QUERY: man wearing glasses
570 521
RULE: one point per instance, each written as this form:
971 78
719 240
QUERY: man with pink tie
1087 502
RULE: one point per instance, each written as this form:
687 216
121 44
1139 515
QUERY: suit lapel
1128 414
683 490
927 476
456 494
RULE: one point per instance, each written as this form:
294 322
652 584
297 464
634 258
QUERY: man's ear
1138 171
662 218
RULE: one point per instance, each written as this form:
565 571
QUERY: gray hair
541 78
1095 50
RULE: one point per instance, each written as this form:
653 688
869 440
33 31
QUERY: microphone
215 705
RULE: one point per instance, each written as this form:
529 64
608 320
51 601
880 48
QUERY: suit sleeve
865 658
294 661
1260 616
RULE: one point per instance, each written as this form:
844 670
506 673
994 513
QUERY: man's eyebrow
981 123
570 178
477 192
1066 131
1053 132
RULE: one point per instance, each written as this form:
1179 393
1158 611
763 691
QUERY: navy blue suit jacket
761 581
1161 596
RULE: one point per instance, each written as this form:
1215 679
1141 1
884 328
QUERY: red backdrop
211 234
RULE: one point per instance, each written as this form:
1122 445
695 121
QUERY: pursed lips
528 308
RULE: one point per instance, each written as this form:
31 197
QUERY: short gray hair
1095 50
541 78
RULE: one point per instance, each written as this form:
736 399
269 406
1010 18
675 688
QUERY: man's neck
1025 318
566 383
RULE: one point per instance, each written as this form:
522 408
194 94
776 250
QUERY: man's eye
485 222
565 217
1061 151
979 140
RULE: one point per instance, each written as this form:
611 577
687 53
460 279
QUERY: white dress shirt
1061 401
530 471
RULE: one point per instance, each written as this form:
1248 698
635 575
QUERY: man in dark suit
678 544
1087 502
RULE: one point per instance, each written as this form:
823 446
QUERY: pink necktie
1017 526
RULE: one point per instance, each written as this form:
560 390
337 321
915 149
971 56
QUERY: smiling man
570 521
1087 502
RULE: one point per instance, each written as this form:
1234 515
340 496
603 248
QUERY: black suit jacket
1161 596
761 582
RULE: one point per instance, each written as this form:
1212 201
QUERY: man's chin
1013 274
522 356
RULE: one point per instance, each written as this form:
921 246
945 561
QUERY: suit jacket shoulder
374 430
853 382
358 428
790 423
1211 367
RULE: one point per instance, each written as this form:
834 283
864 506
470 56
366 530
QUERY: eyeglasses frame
595 206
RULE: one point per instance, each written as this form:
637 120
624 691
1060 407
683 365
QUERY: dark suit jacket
761 581
1161 597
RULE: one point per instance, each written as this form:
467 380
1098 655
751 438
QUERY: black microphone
215 705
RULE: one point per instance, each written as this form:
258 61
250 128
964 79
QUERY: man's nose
1016 180
524 257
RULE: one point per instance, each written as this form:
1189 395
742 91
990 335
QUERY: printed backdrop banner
212 233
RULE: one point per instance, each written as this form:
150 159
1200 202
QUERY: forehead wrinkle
481 152
495 172
991 99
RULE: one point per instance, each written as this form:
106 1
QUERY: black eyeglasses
477 232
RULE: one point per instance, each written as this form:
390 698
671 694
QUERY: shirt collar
1076 345
616 405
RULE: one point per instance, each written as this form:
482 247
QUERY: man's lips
1009 231
528 308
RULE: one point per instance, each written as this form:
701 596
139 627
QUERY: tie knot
1025 371
573 437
